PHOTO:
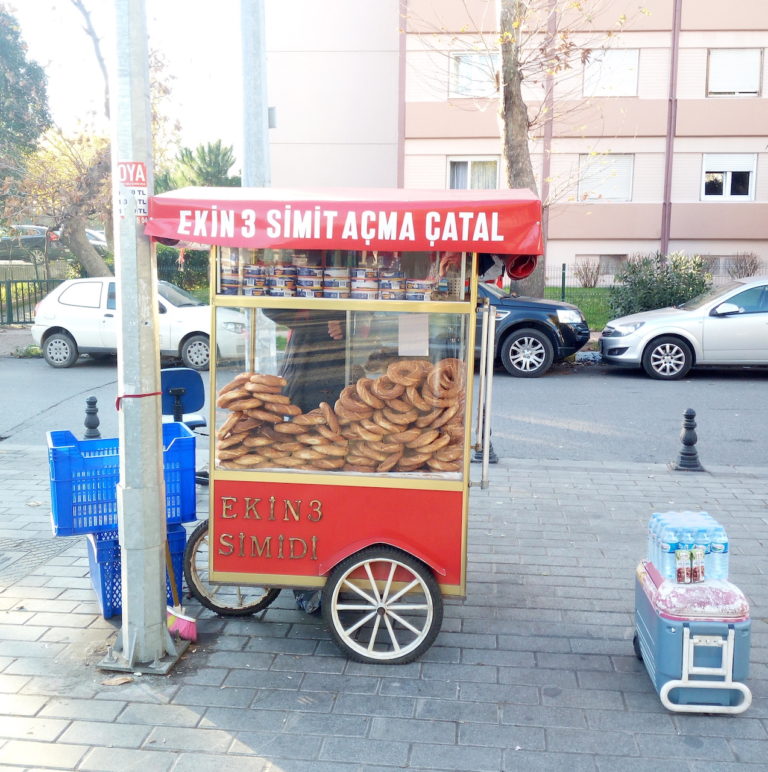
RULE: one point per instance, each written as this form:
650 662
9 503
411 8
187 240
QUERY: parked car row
20 242
727 325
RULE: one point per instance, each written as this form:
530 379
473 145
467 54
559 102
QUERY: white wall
333 79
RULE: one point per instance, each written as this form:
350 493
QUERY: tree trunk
515 125
74 236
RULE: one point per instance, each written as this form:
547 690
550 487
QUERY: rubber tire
191 352
357 650
533 343
208 595
60 350
636 647
670 346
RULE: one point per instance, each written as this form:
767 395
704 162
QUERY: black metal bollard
688 458
91 420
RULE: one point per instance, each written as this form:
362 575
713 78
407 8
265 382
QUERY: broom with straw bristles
178 622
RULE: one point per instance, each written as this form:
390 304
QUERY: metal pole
256 168
144 640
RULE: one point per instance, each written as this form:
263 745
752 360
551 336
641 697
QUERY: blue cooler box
694 642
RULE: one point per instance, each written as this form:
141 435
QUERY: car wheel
527 353
60 350
196 352
667 359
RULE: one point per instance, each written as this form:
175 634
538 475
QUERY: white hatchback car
80 317
728 325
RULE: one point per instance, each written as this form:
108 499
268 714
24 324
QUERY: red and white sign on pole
133 182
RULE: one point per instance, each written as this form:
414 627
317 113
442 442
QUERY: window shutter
729 162
606 177
734 71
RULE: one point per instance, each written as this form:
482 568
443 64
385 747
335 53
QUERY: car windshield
710 294
176 295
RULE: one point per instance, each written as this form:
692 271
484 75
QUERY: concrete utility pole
144 643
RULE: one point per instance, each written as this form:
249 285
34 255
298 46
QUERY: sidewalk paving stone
533 671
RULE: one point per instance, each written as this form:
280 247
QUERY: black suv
531 334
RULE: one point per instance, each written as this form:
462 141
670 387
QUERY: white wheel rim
58 350
198 353
226 596
668 359
526 354
382 620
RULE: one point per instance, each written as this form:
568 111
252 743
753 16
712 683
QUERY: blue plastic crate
105 566
84 476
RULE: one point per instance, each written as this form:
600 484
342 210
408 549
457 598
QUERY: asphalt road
582 412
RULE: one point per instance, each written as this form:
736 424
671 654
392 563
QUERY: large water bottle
704 543
668 546
718 554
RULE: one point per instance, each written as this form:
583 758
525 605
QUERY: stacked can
419 289
281 281
254 280
391 285
365 283
336 283
309 282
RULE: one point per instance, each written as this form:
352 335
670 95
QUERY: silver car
727 325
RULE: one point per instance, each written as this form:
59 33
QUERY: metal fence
19 297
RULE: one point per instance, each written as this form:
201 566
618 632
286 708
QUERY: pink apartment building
659 141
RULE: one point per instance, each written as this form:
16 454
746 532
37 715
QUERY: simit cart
341 433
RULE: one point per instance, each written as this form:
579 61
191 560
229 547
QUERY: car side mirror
726 309
160 308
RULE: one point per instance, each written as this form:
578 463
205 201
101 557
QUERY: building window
734 72
728 176
611 72
473 74
473 174
605 177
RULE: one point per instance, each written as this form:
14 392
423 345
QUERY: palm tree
206 165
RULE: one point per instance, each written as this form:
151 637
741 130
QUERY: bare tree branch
91 32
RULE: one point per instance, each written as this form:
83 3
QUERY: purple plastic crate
84 476
105 566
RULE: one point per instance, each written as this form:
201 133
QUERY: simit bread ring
446 379
389 462
232 396
265 415
352 403
249 459
447 415
273 381
386 388
424 438
289 427
237 381
291 410
451 453
257 441
328 463
330 417
227 426
245 404
414 397
325 431
438 444
270 397
409 435
233 439
426 419
363 389
406 372
401 419
443 466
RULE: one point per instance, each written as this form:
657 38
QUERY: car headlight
237 327
569 316
620 330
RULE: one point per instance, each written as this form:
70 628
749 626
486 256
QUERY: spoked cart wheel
382 605
229 600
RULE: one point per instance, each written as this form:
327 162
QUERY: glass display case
353 362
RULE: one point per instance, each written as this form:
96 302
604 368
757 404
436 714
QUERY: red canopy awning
496 221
